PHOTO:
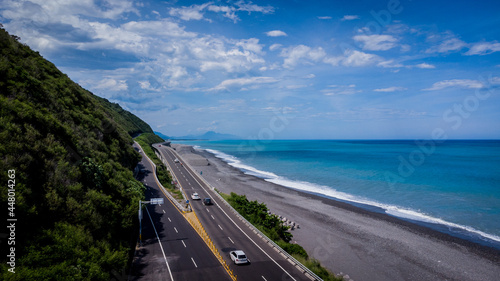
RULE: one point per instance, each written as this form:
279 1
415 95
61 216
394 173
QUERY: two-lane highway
171 250
229 233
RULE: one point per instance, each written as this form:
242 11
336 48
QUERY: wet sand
353 241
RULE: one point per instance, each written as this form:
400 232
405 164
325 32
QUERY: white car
238 257
195 196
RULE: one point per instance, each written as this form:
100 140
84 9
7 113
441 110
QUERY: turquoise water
453 185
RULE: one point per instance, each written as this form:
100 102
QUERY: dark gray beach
353 241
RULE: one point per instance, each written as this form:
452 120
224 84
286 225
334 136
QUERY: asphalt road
229 233
171 248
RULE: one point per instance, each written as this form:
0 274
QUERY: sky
280 69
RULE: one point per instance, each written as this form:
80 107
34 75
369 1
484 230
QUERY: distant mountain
210 135
163 136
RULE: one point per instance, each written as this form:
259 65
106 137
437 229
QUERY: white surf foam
393 210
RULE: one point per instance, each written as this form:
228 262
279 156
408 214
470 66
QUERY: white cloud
357 58
249 7
390 89
294 87
483 48
197 12
193 12
448 45
301 54
350 17
334 90
325 18
494 80
41 11
425 66
334 61
461 83
376 42
390 64
109 84
229 12
241 82
251 45
275 47
405 48
157 28
276 33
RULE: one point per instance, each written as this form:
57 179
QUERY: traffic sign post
156 201
153 201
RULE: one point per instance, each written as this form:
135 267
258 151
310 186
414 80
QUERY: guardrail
311 275
184 209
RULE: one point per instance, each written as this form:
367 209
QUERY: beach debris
287 222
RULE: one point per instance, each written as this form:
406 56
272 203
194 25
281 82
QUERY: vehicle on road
207 201
238 257
176 160
195 196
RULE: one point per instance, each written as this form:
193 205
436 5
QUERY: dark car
207 201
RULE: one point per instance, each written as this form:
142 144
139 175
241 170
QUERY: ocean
452 186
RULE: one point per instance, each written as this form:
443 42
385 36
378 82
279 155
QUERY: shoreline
347 239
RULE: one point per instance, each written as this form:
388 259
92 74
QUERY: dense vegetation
145 141
75 194
257 214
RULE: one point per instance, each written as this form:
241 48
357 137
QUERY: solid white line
194 263
230 239
161 247
183 243
176 230
220 227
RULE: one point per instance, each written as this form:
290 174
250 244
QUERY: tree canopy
75 194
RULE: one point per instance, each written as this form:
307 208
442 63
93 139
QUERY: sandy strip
352 241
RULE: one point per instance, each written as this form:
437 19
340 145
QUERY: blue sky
280 69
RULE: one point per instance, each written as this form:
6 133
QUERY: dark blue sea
452 186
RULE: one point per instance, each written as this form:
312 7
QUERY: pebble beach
352 241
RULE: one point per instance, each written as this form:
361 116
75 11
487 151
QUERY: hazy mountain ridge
210 135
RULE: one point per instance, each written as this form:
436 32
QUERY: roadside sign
156 201
187 201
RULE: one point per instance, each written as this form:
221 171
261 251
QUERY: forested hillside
71 156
